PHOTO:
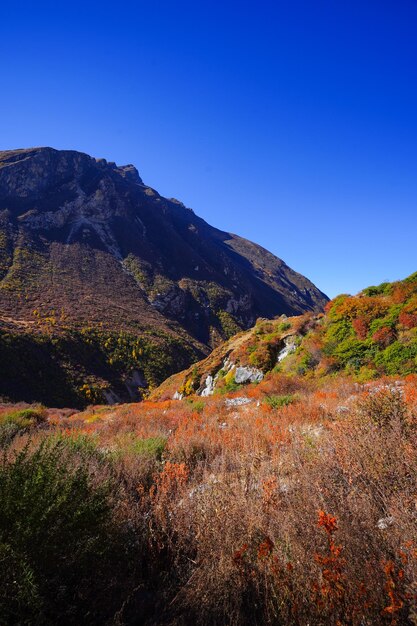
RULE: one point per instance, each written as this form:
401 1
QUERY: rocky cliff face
85 243
89 221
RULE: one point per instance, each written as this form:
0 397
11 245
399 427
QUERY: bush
19 596
56 536
398 358
153 447
278 401
196 405
384 407
19 421
382 289
229 386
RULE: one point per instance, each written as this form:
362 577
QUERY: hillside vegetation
365 336
68 365
368 335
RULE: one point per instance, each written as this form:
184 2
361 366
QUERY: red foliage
391 587
402 292
409 320
239 554
269 491
384 336
361 327
172 478
328 522
265 548
332 588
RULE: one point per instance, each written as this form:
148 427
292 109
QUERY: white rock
237 401
288 348
209 387
385 522
248 374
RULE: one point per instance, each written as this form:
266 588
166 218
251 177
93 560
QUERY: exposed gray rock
172 302
341 410
209 387
385 522
248 375
240 401
111 397
134 383
289 347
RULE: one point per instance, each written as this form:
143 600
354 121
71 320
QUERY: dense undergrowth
292 503
368 335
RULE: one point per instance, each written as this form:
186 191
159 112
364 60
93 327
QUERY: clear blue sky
292 123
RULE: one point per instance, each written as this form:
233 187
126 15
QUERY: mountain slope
86 246
366 336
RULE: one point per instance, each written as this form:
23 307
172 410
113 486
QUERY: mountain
106 286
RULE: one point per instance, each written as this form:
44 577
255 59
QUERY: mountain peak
29 171
131 173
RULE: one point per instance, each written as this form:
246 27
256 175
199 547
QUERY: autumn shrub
384 407
409 320
384 336
361 327
235 514
246 539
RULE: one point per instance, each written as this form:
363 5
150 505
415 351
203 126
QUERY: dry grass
253 515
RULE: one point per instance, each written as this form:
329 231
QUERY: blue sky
293 123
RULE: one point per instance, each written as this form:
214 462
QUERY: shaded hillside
86 246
